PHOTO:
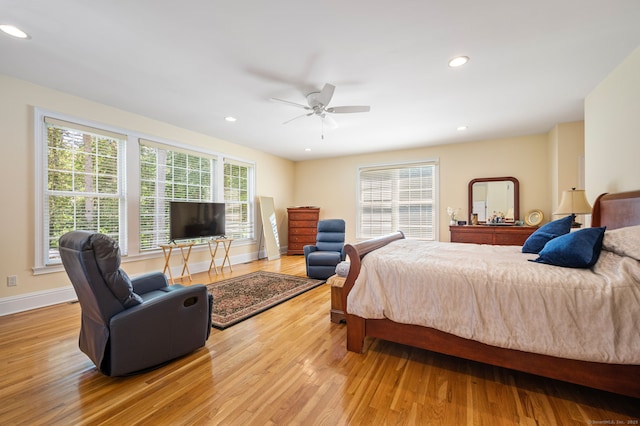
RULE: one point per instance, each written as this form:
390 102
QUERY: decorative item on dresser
503 235
303 226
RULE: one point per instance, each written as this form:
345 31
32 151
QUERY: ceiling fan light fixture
458 61
318 104
13 31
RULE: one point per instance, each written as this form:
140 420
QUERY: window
238 196
397 197
103 179
82 186
171 174
167 174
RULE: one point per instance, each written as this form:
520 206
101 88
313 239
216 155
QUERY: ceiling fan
318 104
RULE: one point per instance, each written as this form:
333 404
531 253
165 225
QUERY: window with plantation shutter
397 197
169 174
82 186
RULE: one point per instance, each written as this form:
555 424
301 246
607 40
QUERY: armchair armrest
162 308
149 282
309 249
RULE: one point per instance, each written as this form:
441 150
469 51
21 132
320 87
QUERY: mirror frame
269 228
516 194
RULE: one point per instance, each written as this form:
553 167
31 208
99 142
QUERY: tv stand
213 250
185 252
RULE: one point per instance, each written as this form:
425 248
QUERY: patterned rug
236 299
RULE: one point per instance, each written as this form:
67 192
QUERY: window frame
434 162
214 192
41 256
251 191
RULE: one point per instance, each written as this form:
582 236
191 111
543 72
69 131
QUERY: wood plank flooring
287 365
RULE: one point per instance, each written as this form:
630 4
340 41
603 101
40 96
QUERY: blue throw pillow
579 249
546 233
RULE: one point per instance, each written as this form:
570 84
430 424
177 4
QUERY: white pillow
623 241
342 269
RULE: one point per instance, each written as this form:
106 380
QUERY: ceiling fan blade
326 94
329 121
290 103
348 109
299 116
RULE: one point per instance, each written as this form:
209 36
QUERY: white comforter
492 294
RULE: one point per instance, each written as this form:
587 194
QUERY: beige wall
566 161
275 177
331 183
612 131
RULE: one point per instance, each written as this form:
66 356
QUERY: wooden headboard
616 210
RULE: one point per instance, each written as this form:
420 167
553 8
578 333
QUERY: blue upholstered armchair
322 258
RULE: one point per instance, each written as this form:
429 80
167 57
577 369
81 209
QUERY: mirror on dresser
498 196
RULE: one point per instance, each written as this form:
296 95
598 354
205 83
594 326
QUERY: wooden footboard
355 324
621 379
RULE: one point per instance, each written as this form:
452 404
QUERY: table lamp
574 202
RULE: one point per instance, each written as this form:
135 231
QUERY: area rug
236 299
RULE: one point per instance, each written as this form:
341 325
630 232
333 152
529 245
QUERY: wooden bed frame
613 210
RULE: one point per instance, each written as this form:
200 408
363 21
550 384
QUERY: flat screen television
189 220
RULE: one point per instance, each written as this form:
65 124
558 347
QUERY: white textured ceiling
193 62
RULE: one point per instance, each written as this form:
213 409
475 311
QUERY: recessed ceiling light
458 61
13 31
307 149
230 119
461 128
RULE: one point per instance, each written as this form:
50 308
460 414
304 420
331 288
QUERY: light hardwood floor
287 365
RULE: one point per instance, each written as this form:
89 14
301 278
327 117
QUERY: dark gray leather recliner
129 325
321 259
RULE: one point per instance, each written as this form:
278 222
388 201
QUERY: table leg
212 252
167 257
226 247
185 266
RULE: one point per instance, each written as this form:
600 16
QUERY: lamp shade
574 201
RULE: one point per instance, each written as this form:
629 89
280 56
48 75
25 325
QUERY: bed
610 362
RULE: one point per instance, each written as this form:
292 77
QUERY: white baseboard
40 299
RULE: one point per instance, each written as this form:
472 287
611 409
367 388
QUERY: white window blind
170 174
397 197
238 198
83 186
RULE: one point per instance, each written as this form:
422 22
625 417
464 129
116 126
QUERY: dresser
504 235
303 227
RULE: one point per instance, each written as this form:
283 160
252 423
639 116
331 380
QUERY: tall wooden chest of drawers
303 227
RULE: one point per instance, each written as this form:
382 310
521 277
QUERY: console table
213 249
505 235
185 251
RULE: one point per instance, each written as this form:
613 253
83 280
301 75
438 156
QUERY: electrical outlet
12 281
